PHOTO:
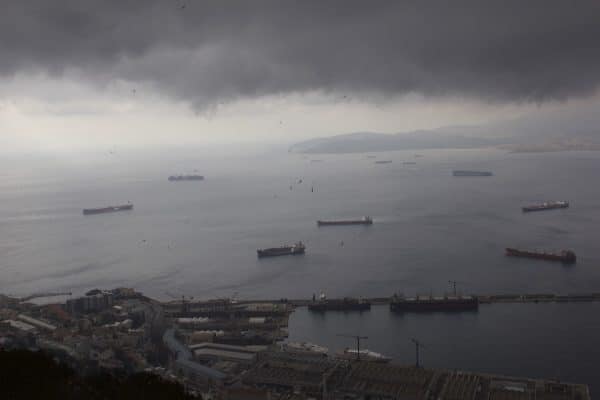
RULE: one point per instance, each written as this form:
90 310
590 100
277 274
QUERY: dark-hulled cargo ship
295 249
565 256
434 304
471 173
177 178
360 221
109 209
344 304
549 205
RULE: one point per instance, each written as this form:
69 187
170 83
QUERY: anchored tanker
360 221
431 304
102 210
177 178
293 250
565 256
550 205
471 173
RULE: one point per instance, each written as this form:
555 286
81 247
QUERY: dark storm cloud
206 52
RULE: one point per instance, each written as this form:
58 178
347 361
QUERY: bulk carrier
177 178
565 256
109 209
434 304
549 205
295 249
471 173
360 221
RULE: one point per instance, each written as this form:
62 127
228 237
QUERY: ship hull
186 178
472 173
278 252
339 306
351 356
104 210
351 222
425 306
566 257
542 207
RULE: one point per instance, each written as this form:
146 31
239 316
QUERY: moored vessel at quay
295 249
177 178
565 256
361 221
305 348
362 355
109 209
400 303
548 205
343 304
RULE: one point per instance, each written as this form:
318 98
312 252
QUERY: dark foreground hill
35 375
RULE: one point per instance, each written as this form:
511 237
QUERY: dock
490 298
210 308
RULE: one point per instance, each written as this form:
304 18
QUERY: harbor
210 254
275 347
483 299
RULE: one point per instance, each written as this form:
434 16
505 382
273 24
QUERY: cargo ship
361 221
471 173
344 304
434 304
177 178
109 209
362 355
383 162
295 249
565 256
549 205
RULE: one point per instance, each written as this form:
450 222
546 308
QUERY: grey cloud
212 51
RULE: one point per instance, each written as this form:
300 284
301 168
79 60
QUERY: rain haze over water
200 238
302 111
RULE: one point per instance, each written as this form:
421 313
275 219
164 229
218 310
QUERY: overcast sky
101 72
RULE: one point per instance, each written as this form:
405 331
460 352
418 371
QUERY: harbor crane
453 283
358 339
418 345
185 300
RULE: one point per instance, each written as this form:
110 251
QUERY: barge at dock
565 256
471 173
433 304
549 205
361 221
344 304
109 209
295 249
177 178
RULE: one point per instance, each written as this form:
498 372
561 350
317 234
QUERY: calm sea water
200 238
532 340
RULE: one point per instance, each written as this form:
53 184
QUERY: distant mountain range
371 142
527 134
